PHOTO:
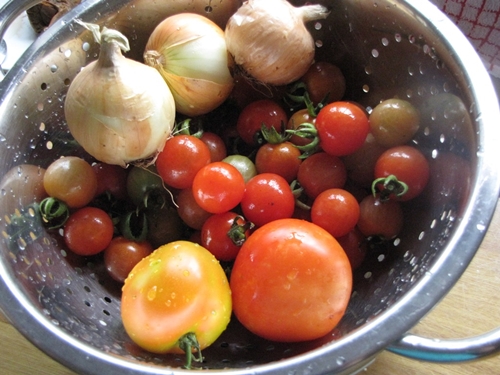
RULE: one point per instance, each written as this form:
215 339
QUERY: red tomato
408 164
111 179
182 157
257 113
215 144
190 211
355 246
320 172
336 211
377 218
342 128
218 187
88 231
72 180
223 234
267 197
324 80
298 118
179 289
122 255
291 281
280 158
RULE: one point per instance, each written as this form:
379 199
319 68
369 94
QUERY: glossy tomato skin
182 157
324 80
178 289
296 119
281 158
342 128
215 235
267 197
88 231
111 179
336 211
190 211
377 218
215 144
291 281
122 255
251 118
72 180
218 187
408 164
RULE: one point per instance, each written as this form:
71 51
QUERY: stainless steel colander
386 48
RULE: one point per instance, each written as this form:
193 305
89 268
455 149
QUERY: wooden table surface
472 307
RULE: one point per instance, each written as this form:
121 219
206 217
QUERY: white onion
119 110
190 53
269 40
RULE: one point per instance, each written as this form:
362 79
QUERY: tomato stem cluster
187 343
388 186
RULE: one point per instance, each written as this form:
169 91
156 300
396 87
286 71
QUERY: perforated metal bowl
66 307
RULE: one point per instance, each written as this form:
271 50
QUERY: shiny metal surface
68 307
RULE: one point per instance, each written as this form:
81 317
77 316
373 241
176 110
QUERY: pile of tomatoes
262 208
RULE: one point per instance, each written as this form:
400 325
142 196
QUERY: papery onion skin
190 53
119 110
269 40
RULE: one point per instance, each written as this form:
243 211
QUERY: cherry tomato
257 113
408 165
336 211
342 128
291 281
320 172
182 157
143 185
72 180
355 246
223 234
88 231
242 163
190 211
122 255
323 81
177 290
267 197
215 145
280 158
377 218
218 187
111 179
394 122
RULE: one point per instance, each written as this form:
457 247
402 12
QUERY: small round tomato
255 115
394 122
179 289
72 180
122 255
190 211
182 157
342 128
300 117
291 281
267 197
218 187
324 82
111 179
215 144
280 158
408 165
144 185
320 172
380 218
88 231
243 164
223 234
336 211
355 246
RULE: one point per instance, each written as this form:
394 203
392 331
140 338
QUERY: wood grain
472 307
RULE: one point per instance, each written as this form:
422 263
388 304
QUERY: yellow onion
119 110
269 39
190 53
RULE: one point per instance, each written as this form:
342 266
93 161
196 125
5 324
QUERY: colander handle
447 351
8 13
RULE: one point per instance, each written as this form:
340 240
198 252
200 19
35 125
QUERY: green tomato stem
187 343
237 232
391 186
54 212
